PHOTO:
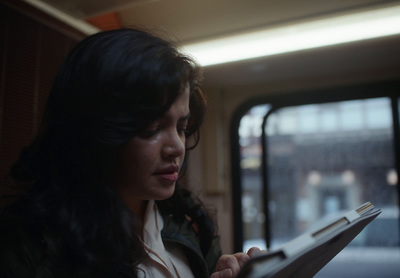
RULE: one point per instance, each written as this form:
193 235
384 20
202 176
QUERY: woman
99 187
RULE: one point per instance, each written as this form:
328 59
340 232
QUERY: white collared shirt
165 261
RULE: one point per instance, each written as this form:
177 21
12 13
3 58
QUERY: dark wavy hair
111 86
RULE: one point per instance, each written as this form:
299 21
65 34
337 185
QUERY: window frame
389 89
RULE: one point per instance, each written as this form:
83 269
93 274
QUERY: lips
169 173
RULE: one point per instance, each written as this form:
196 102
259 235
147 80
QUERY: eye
150 131
182 127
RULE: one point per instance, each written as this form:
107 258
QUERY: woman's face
150 162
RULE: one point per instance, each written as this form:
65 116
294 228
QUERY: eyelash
153 130
182 129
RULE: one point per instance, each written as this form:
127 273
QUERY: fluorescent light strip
81 25
324 32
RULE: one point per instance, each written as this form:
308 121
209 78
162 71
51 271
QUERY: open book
305 255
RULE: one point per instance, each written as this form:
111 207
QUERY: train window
301 163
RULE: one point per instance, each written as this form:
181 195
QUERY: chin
166 195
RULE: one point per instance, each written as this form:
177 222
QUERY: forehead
182 100
180 106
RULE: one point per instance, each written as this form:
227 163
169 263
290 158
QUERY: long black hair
111 86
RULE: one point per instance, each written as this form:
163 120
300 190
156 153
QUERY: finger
242 258
228 262
255 251
215 275
227 273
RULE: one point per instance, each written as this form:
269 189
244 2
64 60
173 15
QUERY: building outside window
307 162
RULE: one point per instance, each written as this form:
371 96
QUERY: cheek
139 158
134 159
132 171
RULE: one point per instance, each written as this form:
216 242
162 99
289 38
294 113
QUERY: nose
174 145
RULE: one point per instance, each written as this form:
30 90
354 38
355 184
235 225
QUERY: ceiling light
306 35
80 25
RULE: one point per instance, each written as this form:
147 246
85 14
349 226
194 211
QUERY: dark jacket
183 233
22 249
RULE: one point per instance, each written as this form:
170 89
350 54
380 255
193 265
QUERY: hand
229 266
